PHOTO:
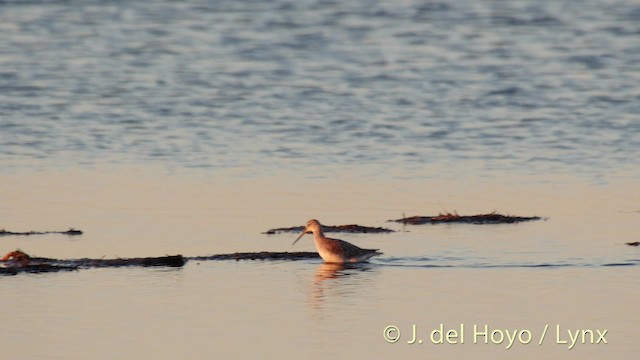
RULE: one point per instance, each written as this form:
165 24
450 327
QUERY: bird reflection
327 271
333 281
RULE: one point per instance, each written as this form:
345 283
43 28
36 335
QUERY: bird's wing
349 250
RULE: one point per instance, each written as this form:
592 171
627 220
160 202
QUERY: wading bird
335 250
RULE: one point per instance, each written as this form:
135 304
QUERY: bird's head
313 226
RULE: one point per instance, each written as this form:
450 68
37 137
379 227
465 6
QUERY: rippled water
164 127
523 86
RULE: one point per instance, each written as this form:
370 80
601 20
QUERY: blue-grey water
164 127
518 86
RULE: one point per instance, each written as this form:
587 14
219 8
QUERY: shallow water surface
303 309
571 270
190 127
523 86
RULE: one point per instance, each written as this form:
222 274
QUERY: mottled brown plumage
335 250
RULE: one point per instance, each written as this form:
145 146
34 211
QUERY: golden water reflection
339 282
139 212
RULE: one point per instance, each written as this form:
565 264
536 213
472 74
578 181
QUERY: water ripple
440 83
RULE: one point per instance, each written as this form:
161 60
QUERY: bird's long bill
299 237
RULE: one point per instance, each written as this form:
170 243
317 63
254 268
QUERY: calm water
164 127
518 86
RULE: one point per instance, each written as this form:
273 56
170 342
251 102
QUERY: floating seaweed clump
352 228
491 218
17 261
169 260
35 269
263 255
70 232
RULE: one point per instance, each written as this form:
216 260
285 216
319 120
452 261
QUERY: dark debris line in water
263 255
70 232
352 228
449 218
19 262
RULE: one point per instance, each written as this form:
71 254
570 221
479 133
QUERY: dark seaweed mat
491 218
352 228
169 260
35 269
43 265
263 255
70 232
